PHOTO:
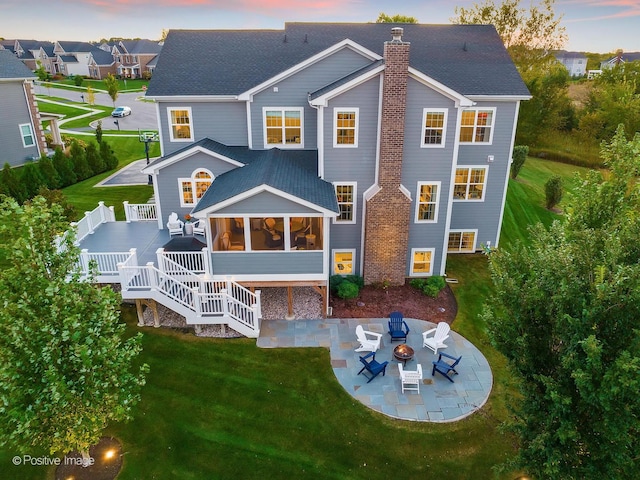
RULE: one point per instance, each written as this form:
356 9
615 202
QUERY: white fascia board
460 99
405 191
323 100
264 188
371 192
499 98
346 43
151 169
194 98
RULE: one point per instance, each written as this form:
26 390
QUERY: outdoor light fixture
109 454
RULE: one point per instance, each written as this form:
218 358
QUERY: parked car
121 112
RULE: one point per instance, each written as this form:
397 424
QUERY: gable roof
141 46
470 59
100 57
11 67
75 47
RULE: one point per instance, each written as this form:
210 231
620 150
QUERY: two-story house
322 149
133 56
574 62
21 134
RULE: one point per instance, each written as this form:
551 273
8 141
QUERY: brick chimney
388 212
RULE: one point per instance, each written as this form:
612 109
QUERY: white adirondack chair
410 379
174 225
434 338
369 341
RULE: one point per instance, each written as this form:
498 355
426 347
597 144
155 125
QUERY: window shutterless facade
180 124
462 241
434 127
192 189
470 183
346 195
26 133
477 125
283 127
343 262
422 262
345 127
428 197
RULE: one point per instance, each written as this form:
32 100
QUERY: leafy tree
113 87
94 160
553 191
565 314
519 156
11 184
108 157
63 166
79 161
48 172
77 80
41 72
52 197
65 369
91 95
31 179
384 18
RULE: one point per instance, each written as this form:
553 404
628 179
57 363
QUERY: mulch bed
107 462
378 302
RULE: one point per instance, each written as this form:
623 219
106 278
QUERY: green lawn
222 408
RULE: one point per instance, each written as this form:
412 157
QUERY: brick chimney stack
388 212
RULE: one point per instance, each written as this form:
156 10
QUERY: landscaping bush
520 153
334 283
48 172
31 179
348 290
357 279
77 80
553 191
430 286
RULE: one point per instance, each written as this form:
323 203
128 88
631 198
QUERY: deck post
206 260
140 312
126 211
290 315
153 280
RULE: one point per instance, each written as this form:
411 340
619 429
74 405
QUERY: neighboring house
133 56
330 149
33 51
574 62
101 64
618 58
72 58
21 133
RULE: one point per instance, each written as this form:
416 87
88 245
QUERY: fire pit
403 352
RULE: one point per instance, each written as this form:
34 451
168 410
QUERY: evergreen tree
66 371
99 131
11 184
48 172
94 160
79 161
31 179
108 157
63 166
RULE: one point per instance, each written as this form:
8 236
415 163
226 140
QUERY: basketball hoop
147 138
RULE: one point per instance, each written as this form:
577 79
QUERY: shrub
31 179
520 153
553 191
96 164
357 279
48 172
433 285
77 80
334 283
108 157
348 290
418 283
56 196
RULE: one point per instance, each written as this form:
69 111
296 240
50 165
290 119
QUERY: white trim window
434 127
26 133
346 196
462 241
192 189
345 127
343 262
422 262
427 201
283 127
180 124
470 183
476 125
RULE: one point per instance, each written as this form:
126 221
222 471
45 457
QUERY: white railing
106 263
140 212
183 262
244 295
92 220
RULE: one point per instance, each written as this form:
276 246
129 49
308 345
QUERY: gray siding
427 165
266 204
267 263
14 111
293 92
485 216
169 189
353 164
225 122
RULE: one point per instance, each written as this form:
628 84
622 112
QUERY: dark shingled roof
73 47
470 59
345 79
142 46
12 67
101 57
290 171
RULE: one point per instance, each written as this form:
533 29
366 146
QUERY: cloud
603 9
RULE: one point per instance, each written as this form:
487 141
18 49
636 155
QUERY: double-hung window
462 241
434 126
346 196
477 125
343 262
345 127
27 135
470 183
192 189
180 124
283 127
422 261
427 202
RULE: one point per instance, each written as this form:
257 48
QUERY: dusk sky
592 25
